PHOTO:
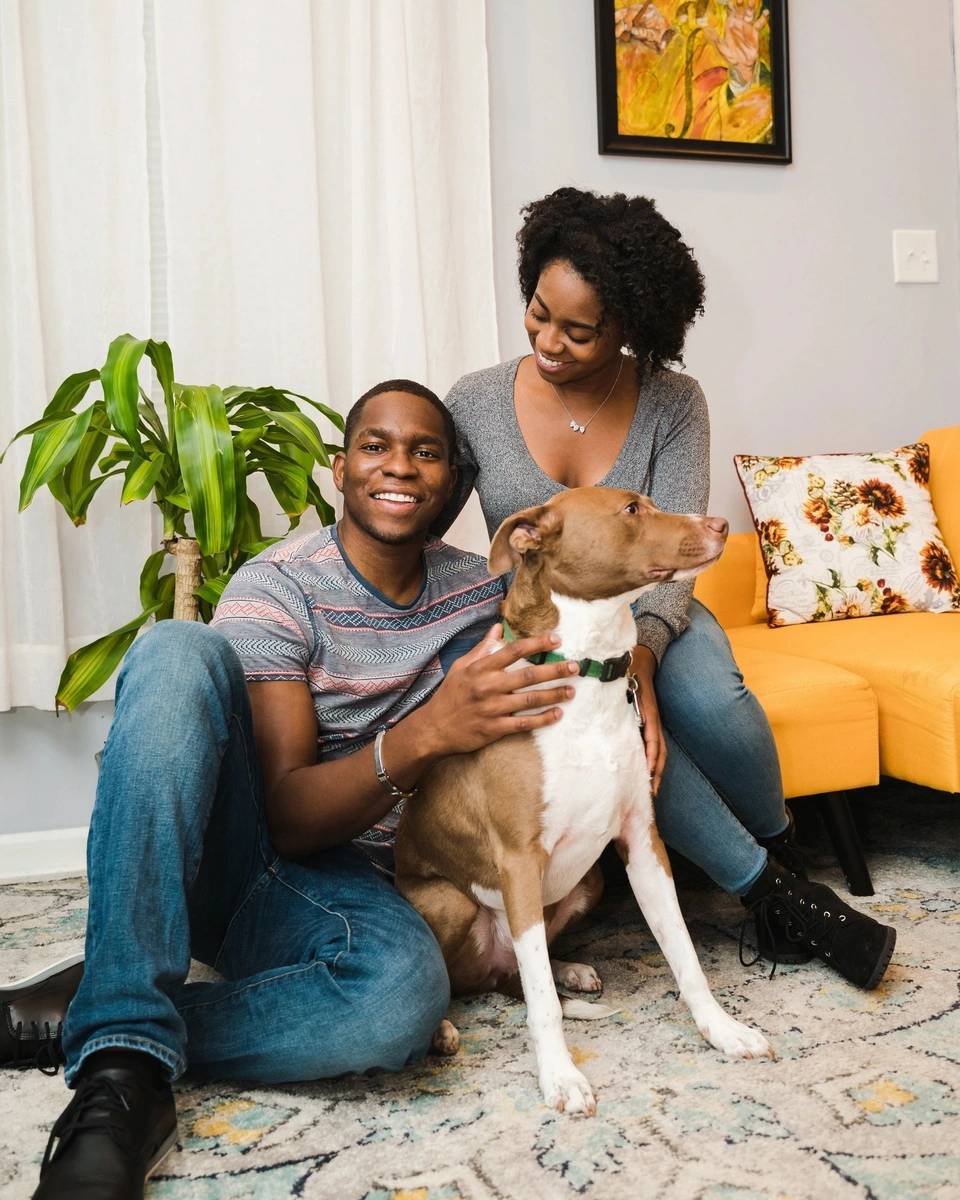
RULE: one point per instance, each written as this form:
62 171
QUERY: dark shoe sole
166 1147
883 961
28 981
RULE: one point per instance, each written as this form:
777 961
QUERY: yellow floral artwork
699 71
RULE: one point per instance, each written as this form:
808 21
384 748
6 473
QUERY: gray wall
47 770
807 344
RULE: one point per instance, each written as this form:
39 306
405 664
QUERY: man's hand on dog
481 700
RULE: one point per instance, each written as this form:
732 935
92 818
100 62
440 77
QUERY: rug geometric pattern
863 1099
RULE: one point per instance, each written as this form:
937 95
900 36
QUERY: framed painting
694 78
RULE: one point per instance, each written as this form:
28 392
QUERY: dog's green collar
605 670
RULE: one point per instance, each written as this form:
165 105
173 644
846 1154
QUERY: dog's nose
717 524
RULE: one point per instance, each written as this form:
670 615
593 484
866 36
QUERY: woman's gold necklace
575 425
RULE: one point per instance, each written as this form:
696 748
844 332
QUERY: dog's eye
632 508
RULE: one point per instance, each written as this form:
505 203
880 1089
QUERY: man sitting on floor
341 664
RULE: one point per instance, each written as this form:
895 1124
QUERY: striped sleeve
264 616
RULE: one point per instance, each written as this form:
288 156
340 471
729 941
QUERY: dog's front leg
648 870
563 1086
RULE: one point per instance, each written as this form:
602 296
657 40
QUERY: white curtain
295 193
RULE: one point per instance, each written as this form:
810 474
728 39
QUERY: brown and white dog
499 849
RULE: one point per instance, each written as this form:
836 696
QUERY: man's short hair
414 389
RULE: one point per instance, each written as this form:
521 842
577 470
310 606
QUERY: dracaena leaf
324 510
141 475
69 394
331 414
150 579
80 468
246 438
258 547
150 418
80 500
247 528
305 433
287 479
212 589
205 450
119 453
121 385
160 355
34 427
249 415
263 397
50 451
91 666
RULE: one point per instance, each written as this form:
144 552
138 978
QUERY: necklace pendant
581 429
573 425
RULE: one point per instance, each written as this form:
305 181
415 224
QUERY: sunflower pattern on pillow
848 535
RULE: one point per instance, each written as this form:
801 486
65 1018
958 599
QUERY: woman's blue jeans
721 788
326 968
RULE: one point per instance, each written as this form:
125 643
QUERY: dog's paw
446 1039
566 1089
735 1039
576 977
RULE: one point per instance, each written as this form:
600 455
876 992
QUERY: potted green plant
195 460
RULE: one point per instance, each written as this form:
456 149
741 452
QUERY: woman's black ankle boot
813 919
785 850
774 944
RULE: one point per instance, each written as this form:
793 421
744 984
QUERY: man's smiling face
396 474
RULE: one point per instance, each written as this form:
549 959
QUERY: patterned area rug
862 1101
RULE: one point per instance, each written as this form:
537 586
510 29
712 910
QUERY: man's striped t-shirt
301 611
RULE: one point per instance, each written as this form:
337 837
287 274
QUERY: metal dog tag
633 697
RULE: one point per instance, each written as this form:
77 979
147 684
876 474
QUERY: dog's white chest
592 761
594 769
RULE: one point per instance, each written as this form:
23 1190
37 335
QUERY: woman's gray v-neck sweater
666 456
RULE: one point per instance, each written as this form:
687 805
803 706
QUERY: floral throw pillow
848 535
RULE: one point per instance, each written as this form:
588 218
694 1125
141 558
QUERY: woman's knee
699 674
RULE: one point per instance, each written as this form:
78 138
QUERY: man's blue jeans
721 788
326 968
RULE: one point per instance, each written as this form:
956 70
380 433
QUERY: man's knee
410 1002
393 1004
421 992
179 653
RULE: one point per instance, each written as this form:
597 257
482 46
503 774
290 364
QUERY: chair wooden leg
835 809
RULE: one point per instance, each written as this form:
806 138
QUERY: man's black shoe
119 1125
813 917
32 1012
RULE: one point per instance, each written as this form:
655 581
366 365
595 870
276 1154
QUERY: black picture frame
612 141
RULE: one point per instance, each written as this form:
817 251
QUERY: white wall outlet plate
915 256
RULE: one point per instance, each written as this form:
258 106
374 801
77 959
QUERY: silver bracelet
385 781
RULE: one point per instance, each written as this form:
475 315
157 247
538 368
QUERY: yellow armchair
851 700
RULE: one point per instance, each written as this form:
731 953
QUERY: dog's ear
519 535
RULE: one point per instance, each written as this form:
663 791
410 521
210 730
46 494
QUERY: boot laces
802 921
760 913
94 1106
47 1056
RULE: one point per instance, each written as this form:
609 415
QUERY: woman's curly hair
646 278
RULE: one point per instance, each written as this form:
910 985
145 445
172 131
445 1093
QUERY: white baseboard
49 854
